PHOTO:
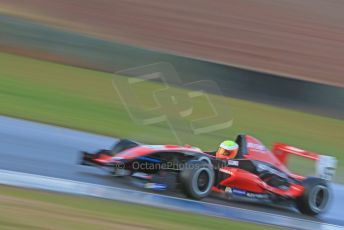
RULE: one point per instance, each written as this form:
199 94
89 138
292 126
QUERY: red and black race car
256 173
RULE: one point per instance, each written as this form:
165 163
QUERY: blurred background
277 67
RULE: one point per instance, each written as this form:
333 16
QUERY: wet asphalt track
53 151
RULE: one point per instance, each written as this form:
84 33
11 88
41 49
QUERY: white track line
126 195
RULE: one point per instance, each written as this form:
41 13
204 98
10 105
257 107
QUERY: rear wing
325 165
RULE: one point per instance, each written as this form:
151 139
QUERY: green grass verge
30 209
85 99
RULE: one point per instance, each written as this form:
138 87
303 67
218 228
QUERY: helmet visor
223 152
226 153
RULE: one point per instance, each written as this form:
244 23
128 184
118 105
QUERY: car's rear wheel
197 179
316 196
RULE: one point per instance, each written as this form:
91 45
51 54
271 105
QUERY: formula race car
255 173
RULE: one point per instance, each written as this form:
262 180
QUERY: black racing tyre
203 159
315 198
197 179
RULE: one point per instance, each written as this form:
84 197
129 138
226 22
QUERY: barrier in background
71 48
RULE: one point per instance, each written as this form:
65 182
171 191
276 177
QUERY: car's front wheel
197 179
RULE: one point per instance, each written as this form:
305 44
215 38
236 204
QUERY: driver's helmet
227 150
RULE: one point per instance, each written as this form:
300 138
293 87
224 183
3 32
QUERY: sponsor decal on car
155 186
247 194
233 163
257 195
326 167
257 147
238 192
